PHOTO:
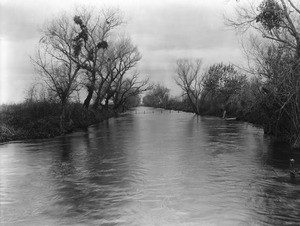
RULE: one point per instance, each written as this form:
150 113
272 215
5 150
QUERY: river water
150 167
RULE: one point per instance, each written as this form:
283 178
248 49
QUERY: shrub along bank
33 120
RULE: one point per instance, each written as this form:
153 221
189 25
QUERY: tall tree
122 56
278 61
58 71
90 44
83 39
189 79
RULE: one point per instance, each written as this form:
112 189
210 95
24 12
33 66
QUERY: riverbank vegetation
218 89
78 55
265 93
82 56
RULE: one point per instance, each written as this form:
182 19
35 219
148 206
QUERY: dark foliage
32 120
271 15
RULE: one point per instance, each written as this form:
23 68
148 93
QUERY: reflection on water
157 168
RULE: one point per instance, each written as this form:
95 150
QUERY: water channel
150 167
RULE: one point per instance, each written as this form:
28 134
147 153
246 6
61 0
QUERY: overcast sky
163 30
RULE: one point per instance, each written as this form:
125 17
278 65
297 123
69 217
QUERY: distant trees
127 89
157 97
211 90
221 86
189 79
133 101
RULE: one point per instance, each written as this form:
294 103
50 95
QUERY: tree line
84 54
267 92
215 90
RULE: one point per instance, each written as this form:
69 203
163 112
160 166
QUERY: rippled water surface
157 168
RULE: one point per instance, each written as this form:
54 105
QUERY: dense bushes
41 119
219 88
274 55
270 100
29 120
178 105
222 88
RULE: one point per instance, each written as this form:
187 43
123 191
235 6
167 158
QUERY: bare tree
122 56
276 20
189 79
90 45
128 87
59 73
83 40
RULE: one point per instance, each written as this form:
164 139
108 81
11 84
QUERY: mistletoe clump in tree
278 22
271 15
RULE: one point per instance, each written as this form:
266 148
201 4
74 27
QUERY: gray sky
163 30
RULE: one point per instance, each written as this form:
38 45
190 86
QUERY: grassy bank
33 120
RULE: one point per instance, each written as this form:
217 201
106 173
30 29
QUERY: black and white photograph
149 112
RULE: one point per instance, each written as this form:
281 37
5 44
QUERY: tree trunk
296 143
98 97
97 101
63 117
106 103
192 103
91 89
87 100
